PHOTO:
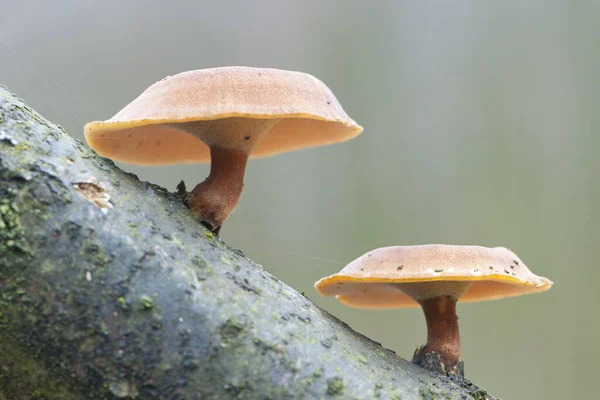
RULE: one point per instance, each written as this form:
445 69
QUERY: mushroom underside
161 143
388 295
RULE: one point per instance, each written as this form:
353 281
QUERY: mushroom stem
215 199
230 140
442 330
438 301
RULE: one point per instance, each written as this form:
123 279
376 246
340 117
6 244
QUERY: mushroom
434 277
224 115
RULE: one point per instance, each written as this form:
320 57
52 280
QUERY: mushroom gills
236 133
420 291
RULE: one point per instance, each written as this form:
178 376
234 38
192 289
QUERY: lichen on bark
116 291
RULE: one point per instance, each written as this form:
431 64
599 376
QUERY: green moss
12 237
122 302
335 386
22 378
227 261
304 383
94 253
147 302
231 329
123 389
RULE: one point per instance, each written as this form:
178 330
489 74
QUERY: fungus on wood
434 277
222 115
111 289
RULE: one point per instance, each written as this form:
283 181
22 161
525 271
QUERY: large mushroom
434 277
224 115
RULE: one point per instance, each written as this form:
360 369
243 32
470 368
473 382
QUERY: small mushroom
434 277
224 115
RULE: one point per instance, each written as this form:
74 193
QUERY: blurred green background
481 123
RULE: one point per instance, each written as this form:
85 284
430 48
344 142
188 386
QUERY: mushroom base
433 362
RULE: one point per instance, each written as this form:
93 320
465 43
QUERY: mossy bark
109 288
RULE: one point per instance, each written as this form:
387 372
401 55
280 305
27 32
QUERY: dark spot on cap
438 270
246 137
400 267
491 267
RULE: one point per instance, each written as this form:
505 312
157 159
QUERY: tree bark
109 288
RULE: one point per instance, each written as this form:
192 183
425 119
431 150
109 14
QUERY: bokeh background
481 127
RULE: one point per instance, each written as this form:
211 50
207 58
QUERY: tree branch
110 289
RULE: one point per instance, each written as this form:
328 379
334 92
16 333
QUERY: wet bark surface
109 288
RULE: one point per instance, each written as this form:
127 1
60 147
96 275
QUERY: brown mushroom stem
438 301
230 140
442 330
215 199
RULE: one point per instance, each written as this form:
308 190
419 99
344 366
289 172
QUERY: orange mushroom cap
145 131
368 281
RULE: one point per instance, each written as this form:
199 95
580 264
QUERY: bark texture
109 289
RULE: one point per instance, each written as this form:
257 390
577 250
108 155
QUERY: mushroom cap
143 132
368 281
